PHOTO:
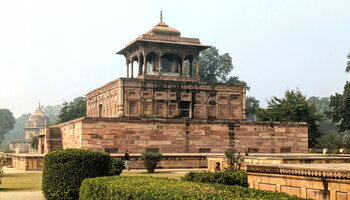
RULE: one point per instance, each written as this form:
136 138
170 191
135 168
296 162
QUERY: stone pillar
144 63
140 66
191 62
120 98
197 67
132 69
127 68
244 102
183 67
160 63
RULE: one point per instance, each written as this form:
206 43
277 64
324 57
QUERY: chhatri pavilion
162 105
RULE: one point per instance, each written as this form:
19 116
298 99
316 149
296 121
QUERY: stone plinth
314 181
27 162
116 135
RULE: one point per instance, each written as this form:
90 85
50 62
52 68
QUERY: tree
150 160
17 132
72 110
235 80
252 106
322 106
340 104
52 112
334 140
216 68
7 122
293 107
347 69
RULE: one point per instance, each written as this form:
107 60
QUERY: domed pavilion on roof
35 122
163 106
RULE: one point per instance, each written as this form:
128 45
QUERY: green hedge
116 167
153 188
226 177
150 160
64 170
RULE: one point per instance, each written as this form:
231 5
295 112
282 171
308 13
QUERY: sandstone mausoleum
162 105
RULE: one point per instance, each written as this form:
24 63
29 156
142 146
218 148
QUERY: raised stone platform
339 171
291 158
314 181
34 162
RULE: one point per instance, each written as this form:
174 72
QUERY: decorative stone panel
186 96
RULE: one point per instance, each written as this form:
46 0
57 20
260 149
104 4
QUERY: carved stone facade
167 99
166 108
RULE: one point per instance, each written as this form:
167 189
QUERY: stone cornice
300 171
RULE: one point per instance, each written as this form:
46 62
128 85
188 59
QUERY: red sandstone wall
269 138
29 133
177 136
171 137
168 137
71 135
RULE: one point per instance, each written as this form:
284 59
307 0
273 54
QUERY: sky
54 51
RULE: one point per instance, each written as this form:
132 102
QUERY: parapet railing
330 151
323 173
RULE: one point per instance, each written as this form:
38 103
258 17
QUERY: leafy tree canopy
252 107
18 131
340 104
72 110
347 69
293 107
334 140
52 112
216 68
7 122
322 107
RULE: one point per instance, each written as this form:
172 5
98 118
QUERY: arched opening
188 68
132 65
171 64
152 63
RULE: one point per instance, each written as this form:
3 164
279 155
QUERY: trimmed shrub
64 170
141 188
150 160
226 177
116 167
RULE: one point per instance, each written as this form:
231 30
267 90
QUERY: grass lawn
13 182
31 181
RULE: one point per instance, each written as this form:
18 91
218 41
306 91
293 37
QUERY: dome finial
161 15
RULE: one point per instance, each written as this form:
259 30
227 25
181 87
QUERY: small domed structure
36 121
163 29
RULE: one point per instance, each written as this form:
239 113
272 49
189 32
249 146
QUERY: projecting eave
180 41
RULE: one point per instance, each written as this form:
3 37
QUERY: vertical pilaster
244 102
144 63
132 69
183 66
127 68
160 63
140 66
120 98
197 67
191 62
